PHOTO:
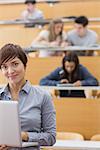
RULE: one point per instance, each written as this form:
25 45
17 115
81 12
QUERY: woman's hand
77 83
24 136
3 147
64 81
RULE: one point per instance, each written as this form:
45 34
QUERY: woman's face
58 28
13 70
69 66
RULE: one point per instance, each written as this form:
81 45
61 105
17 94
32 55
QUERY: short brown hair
10 51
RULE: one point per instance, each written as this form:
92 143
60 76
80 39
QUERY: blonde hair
52 35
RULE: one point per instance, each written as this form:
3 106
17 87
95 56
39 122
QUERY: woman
36 110
70 72
53 36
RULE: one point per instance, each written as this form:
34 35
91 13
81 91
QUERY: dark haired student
72 72
81 35
36 110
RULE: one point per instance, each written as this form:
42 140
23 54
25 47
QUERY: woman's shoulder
58 70
64 35
82 68
39 11
39 90
24 12
42 92
3 88
44 31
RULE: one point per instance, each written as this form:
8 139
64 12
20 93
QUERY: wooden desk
78 115
70 88
40 47
73 145
17 34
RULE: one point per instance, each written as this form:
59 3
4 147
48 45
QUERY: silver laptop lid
10 130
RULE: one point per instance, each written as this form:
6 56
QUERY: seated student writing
36 110
70 72
53 36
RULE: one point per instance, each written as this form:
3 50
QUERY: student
32 12
70 72
53 36
36 110
81 35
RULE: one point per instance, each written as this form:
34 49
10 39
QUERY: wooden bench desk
78 115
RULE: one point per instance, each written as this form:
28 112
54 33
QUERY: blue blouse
37 113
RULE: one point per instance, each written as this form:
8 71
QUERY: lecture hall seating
40 67
17 33
24 36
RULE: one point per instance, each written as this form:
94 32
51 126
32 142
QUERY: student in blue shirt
36 110
70 72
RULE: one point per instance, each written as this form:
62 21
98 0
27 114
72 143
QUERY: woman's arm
52 79
42 38
88 78
47 136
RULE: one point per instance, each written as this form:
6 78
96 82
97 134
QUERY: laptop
65 85
10 128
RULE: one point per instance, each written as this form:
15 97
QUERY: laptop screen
10 128
10 132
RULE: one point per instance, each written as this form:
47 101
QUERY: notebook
10 128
